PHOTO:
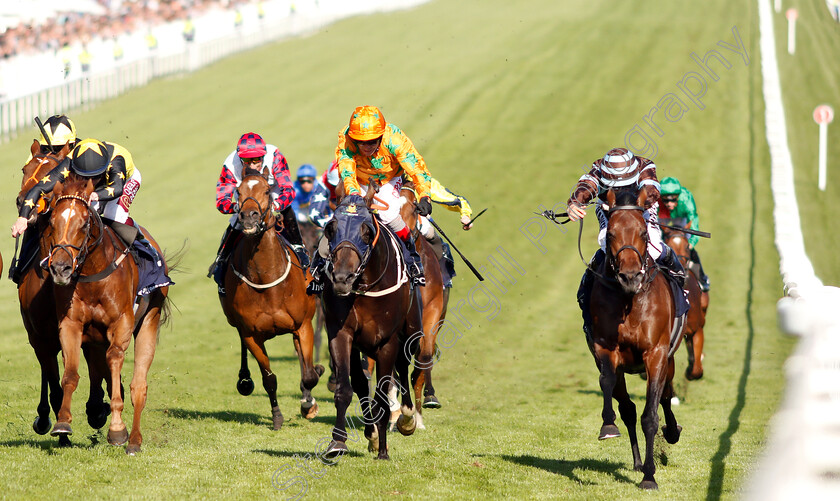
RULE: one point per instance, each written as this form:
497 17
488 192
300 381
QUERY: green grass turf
507 101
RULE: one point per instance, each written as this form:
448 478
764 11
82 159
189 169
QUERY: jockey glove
424 206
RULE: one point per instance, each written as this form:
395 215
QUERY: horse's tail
173 264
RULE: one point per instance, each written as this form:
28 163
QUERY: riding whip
687 230
43 131
466 261
476 217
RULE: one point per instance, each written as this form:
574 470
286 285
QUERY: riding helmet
619 167
60 130
306 170
90 158
250 145
366 123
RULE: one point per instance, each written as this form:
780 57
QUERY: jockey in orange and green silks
369 149
396 154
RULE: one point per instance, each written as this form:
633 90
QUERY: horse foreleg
244 383
406 422
144 354
120 336
70 335
256 345
361 388
96 409
51 392
656 365
697 352
607 380
340 353
309 374
671 430
318 330
627 410
385 357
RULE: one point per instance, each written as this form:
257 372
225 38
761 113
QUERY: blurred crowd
121 17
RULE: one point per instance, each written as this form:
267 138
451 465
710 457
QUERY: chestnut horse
633 317
697 298
37 309
435 298
94 290
370 309
266 296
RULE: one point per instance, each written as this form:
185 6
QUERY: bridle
83 250
612 259
262 225
363 261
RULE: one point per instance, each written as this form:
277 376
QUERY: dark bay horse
435 298
266 296
370 309
633 317
697 298
38 312
94 290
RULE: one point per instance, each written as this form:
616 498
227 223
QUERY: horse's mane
626 196
75 184
250 171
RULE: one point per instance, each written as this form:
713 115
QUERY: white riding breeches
389 193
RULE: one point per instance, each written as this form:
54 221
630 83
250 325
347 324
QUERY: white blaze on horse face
252 183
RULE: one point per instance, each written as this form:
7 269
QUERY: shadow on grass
291 454
225 416
568 468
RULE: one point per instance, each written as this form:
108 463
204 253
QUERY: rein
84 250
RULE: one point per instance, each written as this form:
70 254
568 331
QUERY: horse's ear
640 201
35 148
339 192
89 187
369 197
329 230
65 150
611 198
265 172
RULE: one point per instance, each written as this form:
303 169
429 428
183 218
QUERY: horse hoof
670 437
431 402
64 441
609 431
309 412
276 418
691 376
61 429
245 386
406 425
335 449
383 455
42 425
98 420
373 444
331 384
132 449
118 437
649 485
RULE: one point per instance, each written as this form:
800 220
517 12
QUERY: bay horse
698 299
94 290
266 296
633 317
370 309
435 298
311 235
38 312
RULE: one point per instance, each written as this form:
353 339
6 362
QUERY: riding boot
219 266
585 291
292 234
413 263
669 261
705 284
28 249
319 264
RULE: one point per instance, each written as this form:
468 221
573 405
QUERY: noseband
364 258
262 226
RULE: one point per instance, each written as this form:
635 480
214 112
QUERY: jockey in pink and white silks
618 169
